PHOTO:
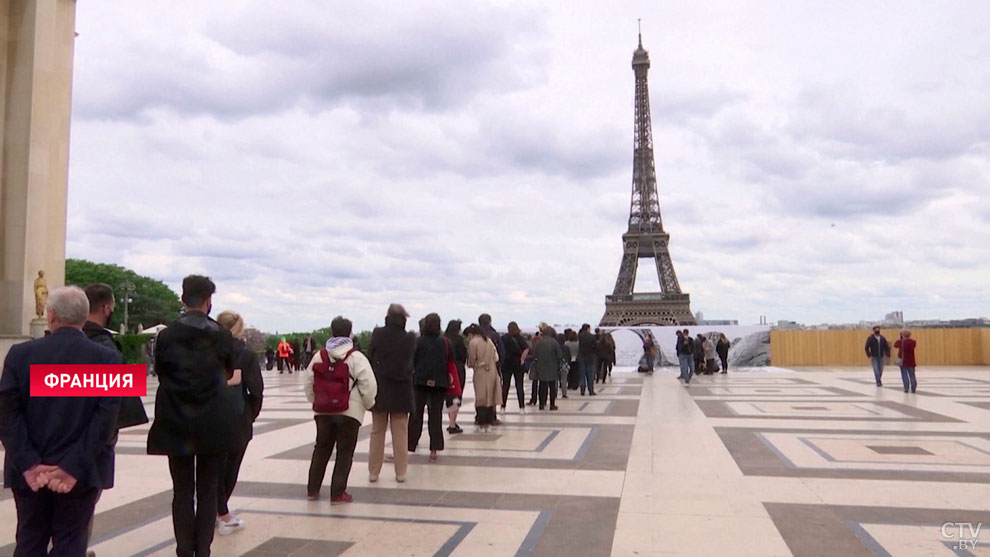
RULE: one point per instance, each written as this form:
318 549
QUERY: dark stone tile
473 437
882 449
815 530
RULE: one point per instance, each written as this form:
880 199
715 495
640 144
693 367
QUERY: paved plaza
756 462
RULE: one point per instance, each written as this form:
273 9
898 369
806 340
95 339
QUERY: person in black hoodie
430 382
194 421
391 354
248 397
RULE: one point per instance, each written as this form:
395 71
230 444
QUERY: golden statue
40 295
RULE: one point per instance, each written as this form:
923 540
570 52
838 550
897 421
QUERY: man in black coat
586 358
878 350
56 468
194 422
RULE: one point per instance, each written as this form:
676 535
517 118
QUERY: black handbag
131 412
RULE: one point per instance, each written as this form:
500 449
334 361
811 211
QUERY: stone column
37 39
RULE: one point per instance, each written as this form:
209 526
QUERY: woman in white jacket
340 428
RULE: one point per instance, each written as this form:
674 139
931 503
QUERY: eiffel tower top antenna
639 26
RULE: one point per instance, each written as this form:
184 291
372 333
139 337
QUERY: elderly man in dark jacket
56 468
194 421
391 354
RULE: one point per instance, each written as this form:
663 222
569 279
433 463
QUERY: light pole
127 289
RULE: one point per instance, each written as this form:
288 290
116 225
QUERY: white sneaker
233 525
522 409
373 478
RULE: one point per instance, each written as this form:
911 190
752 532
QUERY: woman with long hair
430 382
722 349
483 359
246 398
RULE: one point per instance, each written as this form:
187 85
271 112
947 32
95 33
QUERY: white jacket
366 388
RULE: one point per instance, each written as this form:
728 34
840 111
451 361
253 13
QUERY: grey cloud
260 62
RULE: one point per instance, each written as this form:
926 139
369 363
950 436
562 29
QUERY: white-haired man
56 468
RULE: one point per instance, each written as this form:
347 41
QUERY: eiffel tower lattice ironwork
645 237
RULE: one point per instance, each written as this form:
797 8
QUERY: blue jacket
73 433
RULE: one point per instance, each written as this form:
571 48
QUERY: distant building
718 322
894 318
788 325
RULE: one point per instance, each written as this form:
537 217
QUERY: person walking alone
878 351
722 349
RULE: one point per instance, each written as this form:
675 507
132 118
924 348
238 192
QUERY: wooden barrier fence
845 347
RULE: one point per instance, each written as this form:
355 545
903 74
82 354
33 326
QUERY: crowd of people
211 391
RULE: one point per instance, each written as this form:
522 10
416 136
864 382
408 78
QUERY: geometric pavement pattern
756 462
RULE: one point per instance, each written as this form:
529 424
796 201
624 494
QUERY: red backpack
331 384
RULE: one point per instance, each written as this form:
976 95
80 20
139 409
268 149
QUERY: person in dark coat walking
194 422
722 349
58 450
391 354
878 351
251 394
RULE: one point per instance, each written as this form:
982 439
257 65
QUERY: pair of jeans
563 378
432 399
399 424
339 430
194 477
907 376
650 361
586 369
545 387
685 361
877 368
509 374
45 517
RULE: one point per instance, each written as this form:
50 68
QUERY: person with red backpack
341 385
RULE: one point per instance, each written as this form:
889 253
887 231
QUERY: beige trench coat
482 358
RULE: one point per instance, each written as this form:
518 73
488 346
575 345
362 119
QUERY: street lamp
127 289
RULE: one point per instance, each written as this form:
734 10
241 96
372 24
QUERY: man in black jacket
56 467
194 424
878 351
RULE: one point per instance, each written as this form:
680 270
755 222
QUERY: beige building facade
37 40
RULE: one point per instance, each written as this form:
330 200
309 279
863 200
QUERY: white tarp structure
750 344
153 330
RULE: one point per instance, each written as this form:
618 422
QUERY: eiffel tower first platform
645 237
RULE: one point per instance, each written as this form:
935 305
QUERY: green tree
152 302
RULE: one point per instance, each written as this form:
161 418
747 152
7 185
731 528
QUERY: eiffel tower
645 236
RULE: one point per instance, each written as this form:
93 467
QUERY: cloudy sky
817 161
